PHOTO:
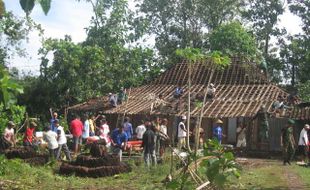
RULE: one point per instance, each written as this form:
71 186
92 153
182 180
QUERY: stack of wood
96 164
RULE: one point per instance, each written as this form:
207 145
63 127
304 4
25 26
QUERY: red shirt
29 134
76 127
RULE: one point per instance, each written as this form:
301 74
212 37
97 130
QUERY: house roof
229 101
240 72
300 112
94 104
241 89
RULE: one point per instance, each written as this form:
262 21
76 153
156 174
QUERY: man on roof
211 91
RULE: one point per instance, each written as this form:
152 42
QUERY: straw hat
219 121
11 123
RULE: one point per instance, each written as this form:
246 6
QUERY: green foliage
190 54
233 39
264 16
8 89
221 166
181 24
304 91
15 114
28 5
295 55
221 61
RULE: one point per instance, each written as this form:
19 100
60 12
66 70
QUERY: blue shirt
218 133
119 138
53 126
128 129
178 91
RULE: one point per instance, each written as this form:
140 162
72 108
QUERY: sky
70 17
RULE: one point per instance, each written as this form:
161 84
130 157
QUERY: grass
269 177
15 174
304 173
18 175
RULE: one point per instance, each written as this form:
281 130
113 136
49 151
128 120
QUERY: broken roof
241 89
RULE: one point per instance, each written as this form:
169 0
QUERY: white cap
110 94
184 117
307 126
211 84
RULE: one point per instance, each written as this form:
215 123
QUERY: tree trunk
189 105
198 125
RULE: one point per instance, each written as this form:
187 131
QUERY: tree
110 30
191 55
184 23
263 16
232 39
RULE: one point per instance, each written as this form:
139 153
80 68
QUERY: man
303 143
148 144
76 128
182 133
112 100
262 116
122 96
178 92
62 141
50 137
29 134
8 139
85 132
92 126
140 130
241 136
218 131
119 141
163 135
156 129
211 91
54 117
128 128
288 142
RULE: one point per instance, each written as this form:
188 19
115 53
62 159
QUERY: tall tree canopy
233 39
184 23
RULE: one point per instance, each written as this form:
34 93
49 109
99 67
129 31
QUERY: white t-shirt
104 131
241 135
62 136
181 132
140 131
303 134
211 91
51 138
8 134
163 129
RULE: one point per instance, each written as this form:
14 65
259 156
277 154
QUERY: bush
15 114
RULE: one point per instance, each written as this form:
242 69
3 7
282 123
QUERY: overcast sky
71 17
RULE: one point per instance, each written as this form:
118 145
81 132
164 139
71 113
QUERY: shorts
241 143
303 150
77 140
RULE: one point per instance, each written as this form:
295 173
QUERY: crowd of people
151 135
97 128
